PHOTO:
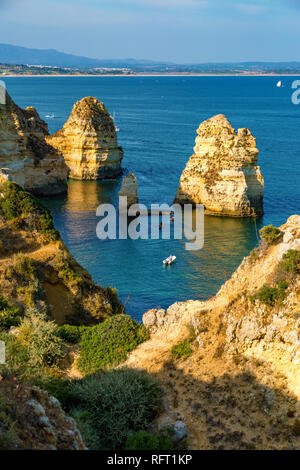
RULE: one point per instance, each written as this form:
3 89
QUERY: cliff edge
25 156
230 366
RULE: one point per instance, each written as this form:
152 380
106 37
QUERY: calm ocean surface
158 118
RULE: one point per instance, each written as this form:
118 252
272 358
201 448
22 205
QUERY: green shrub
143 440
39 337
290 263
113 405
182 350
109 343
16 203
17 358
56 387
65 270
70 333
269 234
270 295
112 295
22 268
9 315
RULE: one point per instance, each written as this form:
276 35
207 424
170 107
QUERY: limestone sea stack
25 156
129 189
88 141
222 174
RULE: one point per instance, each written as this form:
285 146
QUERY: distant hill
10 55
23 55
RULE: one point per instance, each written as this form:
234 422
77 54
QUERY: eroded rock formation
88 141
222 173
130 189
25 156
235 377
37 419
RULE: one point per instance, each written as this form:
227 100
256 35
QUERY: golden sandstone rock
130 189
222 174
88 141
25 156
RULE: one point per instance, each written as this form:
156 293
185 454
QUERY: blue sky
182 31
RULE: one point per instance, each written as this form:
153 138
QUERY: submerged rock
25 156
222 173
130 189
88 141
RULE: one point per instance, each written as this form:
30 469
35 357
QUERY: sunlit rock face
130 189
25 156
88 141
222 173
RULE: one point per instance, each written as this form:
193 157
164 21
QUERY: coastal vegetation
183 350
111 406
283 276
108 404
24 211
109 343
143 440
269 234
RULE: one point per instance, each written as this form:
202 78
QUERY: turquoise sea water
158 118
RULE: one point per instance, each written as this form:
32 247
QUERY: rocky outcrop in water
130 189
222 173
25 156
88 141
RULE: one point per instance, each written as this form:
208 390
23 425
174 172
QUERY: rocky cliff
31 419
129 189
88 141
25 157
231 365
36 268
222 173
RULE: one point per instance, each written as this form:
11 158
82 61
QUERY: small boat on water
279 84
50 116
170 260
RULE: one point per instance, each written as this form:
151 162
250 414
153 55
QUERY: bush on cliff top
270 295
183 350
109 343
269 234
39 337
109 407
19 205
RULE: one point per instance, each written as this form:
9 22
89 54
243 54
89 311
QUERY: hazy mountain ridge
10 54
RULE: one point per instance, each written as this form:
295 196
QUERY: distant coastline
156 75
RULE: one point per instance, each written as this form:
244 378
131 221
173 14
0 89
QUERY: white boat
279 84
170 260
50 116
